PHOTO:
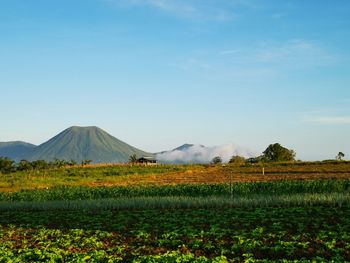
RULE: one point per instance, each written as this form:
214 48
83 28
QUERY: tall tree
277 153
237 159
133 158
216 160
6 165
340 156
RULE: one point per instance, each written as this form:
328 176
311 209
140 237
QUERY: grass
85 175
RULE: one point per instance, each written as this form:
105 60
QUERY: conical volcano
85 143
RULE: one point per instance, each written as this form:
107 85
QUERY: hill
15 150
85 143
186 153
183 147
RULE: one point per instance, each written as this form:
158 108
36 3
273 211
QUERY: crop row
194 190
309 234
178 202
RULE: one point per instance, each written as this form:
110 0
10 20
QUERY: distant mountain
15 150
187 146
180 148
85 143
183 147
186 153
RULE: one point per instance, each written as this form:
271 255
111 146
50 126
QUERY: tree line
7 165
273 153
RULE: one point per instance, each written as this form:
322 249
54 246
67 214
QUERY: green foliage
237 160
133 159
6 165
216 160
244 190
277 153
280 221
86 162
340 156
274 234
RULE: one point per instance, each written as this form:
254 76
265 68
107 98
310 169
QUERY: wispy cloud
330 119
178 7
293 52
192 9
331 115
229 52
262 60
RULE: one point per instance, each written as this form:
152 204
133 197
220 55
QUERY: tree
72 162
133 158
340 156
216 160
40 164
24 165
57 163
277 153
6 165
237 159
86 162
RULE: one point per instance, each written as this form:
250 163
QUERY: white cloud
229 52
201 154
192 9
296 52
330 119
292 52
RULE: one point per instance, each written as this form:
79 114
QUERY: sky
160 73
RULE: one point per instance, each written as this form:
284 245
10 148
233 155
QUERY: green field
230 221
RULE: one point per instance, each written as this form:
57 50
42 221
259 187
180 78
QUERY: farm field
315 233
293 213
132 175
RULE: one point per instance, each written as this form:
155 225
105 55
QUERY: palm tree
132 158
340 156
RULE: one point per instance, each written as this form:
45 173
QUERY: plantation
316 233
134 214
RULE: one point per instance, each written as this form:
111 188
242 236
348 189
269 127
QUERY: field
197 213
133 175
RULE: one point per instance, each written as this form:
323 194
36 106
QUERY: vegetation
310 234
6 165
340 156
277 153
216 160
176 213
237 160
133 159
283 188
159 175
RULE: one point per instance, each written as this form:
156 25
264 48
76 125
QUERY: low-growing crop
311 234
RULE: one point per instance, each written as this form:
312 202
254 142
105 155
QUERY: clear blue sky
159 73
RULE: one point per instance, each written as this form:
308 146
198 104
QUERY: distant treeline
8 166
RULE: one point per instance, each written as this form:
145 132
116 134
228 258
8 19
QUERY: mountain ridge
83 143
15 149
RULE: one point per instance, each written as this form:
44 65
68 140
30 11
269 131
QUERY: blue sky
159 73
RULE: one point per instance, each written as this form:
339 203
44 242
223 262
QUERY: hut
147 160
